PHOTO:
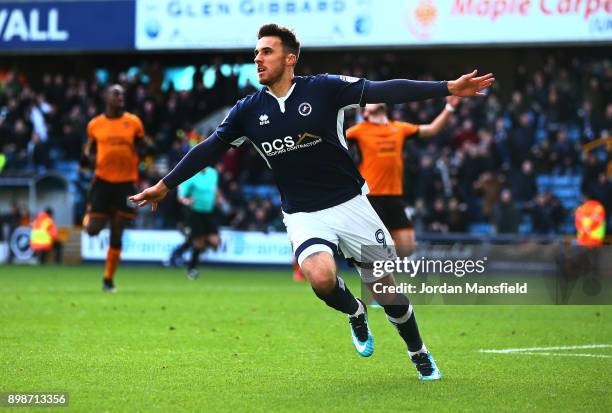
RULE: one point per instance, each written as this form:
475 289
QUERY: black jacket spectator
506 215
523 183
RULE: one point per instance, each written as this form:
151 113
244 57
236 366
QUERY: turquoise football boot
426 367
361 334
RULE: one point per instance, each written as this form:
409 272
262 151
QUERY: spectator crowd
482 169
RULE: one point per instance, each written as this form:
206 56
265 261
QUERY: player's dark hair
290 43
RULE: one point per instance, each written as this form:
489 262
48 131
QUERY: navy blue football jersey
301 138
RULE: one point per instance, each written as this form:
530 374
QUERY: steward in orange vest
44 237
590 224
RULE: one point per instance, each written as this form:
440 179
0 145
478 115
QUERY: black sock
400 314
195 258
181 249
340 298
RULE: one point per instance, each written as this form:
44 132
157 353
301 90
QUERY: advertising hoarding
237 247
67 25
203 24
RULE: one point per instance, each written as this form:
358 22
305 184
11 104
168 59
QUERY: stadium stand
528 141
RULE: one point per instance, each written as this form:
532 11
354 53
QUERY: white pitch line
521 350
603 356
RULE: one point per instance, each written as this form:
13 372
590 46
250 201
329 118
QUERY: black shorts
391 211
202 224
108 198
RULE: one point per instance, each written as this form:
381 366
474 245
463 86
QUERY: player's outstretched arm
470 85
199 157
151 195
435 127
405 90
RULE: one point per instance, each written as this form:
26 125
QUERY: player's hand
470 85
453 101
150 195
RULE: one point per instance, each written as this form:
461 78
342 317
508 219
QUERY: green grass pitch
250 340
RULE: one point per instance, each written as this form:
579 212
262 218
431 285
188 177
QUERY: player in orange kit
114 140
381 144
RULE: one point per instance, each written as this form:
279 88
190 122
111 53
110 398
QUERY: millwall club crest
304 109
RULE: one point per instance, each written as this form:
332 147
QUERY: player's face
115 97
271 59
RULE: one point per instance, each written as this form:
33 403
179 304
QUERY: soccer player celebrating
295 123
381 143
114 139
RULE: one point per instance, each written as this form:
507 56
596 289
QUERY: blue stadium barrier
543 180
69 169
480 228
261 191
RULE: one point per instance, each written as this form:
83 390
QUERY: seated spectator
426 179
437 220
489 185
564 154
521 139
38 157
419 216
542 214
523 183
506 215
601 191
457 216
466 134
525 131
606 125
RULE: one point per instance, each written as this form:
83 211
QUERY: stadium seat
480 228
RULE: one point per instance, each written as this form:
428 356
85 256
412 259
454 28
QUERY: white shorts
348 226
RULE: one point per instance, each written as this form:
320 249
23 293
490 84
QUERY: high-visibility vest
590 224
43 233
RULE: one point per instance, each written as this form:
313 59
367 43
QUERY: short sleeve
345 90
408 129
184 189
230 130
138 128
352 132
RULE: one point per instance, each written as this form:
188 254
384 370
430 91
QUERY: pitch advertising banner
4 252
198 24
67 25
236 247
